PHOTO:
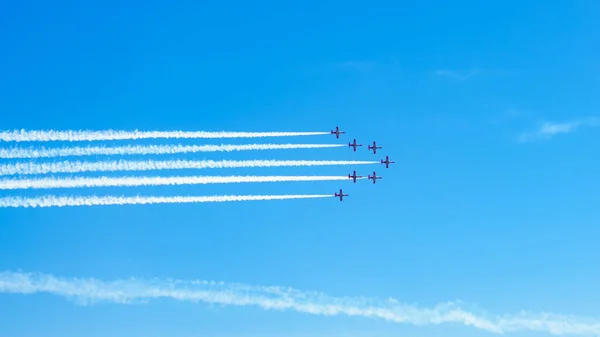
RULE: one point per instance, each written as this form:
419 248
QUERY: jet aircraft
337 132
341 195
354 145
387 162
354 176
374 177
374 147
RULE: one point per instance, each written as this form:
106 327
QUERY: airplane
374 147
341 195
354 176
337 132
354 145
374 177
387 162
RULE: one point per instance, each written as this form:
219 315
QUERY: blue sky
490 111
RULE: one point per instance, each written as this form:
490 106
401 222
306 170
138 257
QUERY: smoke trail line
90 135
148 150
124 165
137 291
63 201
45 183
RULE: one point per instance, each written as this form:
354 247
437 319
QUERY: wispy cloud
460 75
547 130
138 291
363 65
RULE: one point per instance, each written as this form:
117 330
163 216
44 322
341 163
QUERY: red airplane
337 132
374 147
374 177
341 195
354 145
387 162
353 177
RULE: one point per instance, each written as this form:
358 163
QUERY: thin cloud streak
457 74
138 291
65 201
43 152
89 135
548 130
125 165
75 182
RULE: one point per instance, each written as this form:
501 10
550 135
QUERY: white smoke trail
132 291
124 165
12 184
89 135
62 201
148 150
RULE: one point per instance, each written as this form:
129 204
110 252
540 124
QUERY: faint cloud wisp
460 75
547 130
366 66
132 291
356 65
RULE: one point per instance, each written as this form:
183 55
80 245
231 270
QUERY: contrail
62 201
137 291
124 165
90 135
12 184
148 150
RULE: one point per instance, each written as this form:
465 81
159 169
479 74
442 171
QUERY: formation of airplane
354 145
341 195
374 147
374 177
354 176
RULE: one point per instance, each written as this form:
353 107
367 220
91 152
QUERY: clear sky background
485 205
